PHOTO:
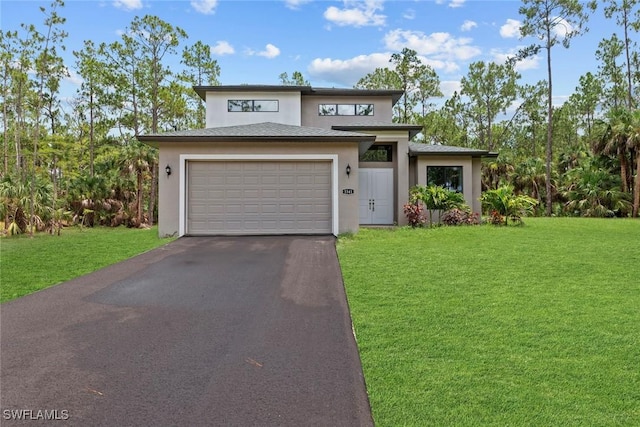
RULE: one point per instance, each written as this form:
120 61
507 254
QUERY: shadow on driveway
202 331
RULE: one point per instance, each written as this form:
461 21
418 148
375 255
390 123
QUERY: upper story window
252 105
345 109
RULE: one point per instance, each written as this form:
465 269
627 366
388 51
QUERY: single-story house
299 160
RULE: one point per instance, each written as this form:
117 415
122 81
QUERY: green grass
521 326
30 264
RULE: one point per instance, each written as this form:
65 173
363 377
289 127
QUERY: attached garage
258 197
262 178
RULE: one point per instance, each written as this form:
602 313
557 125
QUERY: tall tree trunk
91 155
626 45
549 127
636 187
623 171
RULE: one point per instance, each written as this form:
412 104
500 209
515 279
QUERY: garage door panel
259 197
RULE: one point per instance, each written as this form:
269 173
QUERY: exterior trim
335 213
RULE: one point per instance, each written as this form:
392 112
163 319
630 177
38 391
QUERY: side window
449 177
345 109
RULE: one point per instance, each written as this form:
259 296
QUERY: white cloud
456 3
206 7
409 14
128 4
347 72
562 27
530 63
448 87
73 78
295 4
441 46
222 47
270 51
510 29
468 25
356 14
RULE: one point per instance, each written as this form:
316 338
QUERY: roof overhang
419 149
413 130
304 90
257 133
202 90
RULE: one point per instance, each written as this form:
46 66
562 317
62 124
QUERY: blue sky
333 43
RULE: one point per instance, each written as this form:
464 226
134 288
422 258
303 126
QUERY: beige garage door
258 197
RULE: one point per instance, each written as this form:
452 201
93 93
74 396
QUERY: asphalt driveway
203 331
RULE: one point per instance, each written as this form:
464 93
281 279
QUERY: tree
201 70
141 77
491 88
49 70
532 112
552 21
612 141
92 90
623 11
407 67
297 79
586 99
380 78
610 71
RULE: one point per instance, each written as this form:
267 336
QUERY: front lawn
468 326
30 264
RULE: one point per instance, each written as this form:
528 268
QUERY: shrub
415 214
457 216
435 198
507 204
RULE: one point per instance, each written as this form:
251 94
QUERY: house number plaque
348 191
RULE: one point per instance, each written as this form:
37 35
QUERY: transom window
345 109
252 105
378 153
449 177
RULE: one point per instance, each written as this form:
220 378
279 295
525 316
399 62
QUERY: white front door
376 196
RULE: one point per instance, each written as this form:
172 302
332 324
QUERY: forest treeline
78 160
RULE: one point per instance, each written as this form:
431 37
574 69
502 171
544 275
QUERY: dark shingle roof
257 131
416 149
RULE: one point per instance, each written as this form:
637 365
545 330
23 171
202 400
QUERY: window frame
446 169
357 109
379 147
252 103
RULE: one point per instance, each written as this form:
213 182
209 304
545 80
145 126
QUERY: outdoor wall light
168 170
348 170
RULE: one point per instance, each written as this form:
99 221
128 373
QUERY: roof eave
155 140
202 90
475 154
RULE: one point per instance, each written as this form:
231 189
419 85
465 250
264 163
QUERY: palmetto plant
16 197
436 198
594 192
507 204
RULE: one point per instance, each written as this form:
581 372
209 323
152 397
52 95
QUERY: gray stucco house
299 160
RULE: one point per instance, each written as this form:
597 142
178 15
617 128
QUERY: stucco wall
169 186
218 115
